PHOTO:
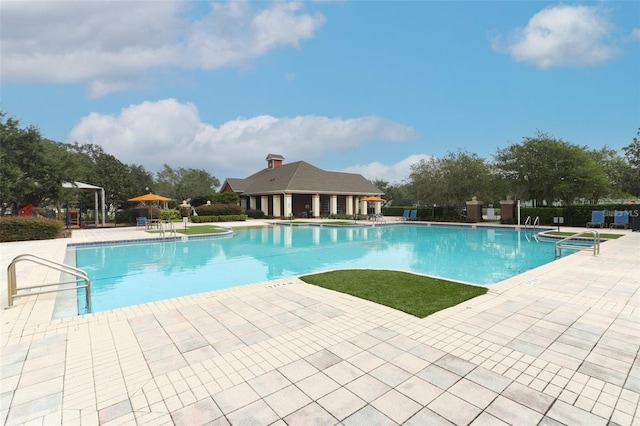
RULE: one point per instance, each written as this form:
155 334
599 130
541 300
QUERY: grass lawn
195 230
414 294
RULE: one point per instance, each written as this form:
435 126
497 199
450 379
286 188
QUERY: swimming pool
129 274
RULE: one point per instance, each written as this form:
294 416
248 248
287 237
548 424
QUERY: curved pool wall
131 273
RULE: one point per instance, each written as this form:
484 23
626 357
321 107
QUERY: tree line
33 169
541 168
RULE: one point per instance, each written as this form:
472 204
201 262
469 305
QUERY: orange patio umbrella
373 199
149 197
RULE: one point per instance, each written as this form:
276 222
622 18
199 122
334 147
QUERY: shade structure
149 197
86 187
373 199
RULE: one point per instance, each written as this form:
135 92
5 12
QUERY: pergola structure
85 187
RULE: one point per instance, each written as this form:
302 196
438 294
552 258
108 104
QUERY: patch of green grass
585 234
196 230
414 294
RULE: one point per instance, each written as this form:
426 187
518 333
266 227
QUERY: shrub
220 218
170 214
255 214
29 228
218 209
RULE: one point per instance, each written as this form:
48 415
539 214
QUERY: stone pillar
474 210
315 205
349 206
275 199
507 210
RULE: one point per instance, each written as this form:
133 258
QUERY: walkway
556 345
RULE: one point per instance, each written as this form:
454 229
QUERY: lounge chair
405 215
141 221
621 219
412 215
597 219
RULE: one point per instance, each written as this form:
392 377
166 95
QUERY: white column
264 204
276 205
287 205
378 207
252 203
333 204
363 207
315 205
349 206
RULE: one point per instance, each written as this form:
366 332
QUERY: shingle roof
302 177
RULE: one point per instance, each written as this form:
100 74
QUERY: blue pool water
129 274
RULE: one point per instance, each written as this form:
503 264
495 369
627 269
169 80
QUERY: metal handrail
12 286
171 230
596 243
536 222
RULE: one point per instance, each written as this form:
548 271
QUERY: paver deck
556 345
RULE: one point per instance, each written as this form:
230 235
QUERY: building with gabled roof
300 189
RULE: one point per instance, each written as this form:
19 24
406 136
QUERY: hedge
29 228
220 218
577 215
218 210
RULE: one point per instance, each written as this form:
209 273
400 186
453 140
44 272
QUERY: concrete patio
556 345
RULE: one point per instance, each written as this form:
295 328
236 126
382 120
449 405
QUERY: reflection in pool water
129 274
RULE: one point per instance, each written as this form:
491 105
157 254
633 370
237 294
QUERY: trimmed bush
218 209
255 214
29 228
219 218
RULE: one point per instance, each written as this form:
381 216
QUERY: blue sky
366 87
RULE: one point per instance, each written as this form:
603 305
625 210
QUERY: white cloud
167 131
562 36
394 173
113 46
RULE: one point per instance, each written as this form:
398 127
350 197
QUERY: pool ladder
535 224
79 274
170 228
567 243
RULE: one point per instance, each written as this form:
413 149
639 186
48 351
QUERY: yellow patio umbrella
149 197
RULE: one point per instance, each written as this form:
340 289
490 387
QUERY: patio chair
405 215
621 219
597 219
413 215
141 221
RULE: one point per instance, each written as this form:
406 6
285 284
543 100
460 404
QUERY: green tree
631 178
186 184
545 169
32 168
424 180
452 180
465 175
120 181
